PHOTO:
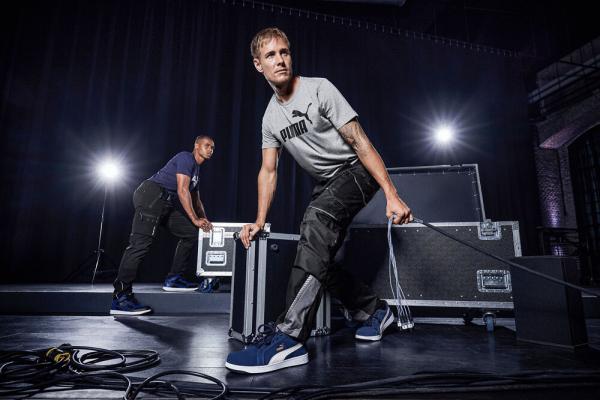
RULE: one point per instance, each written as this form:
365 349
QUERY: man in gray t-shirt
317 126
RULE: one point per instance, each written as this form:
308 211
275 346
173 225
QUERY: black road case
439 276
216 254
458 186
259 283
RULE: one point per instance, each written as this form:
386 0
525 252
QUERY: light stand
99 249
109 171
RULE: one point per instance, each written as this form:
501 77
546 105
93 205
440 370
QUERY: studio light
444 134
109 170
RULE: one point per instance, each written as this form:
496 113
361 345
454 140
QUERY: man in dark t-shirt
169 198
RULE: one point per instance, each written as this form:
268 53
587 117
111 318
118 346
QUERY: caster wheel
489 319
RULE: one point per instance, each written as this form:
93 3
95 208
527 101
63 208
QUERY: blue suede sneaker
372 328
177 283
127 304
271 350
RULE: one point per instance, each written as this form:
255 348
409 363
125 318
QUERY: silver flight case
259 283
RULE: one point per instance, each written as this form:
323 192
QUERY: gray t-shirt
307 126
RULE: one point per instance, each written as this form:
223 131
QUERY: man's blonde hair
264 35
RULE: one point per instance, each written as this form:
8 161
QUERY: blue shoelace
265 334
373 318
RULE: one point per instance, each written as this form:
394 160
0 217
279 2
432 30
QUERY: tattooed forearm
354 135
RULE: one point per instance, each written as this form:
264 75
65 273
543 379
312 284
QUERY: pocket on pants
328 204
145 223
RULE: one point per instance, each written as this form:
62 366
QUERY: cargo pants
334 203
154 207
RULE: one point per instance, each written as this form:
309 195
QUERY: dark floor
200 343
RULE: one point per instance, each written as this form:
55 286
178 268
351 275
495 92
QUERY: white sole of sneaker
119 312
172 289
387 321
261 369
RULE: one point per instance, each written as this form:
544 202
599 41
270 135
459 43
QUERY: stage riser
98 303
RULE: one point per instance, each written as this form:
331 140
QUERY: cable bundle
405 320
67 367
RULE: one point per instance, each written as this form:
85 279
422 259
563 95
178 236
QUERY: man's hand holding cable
396 207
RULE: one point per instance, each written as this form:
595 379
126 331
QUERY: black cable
90 361
505 261
39 387
53 362
32 371
131 395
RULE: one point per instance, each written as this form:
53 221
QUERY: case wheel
209 285
489 319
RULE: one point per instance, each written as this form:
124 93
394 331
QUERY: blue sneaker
372 328
127 304
177 283
271 350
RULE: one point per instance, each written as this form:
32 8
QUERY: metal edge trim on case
231 297
199 269
230 224
323 320
479 189
426 167
440 224
516 238
284 236
459 304
249 295
261 284
227 234
216 273
239 336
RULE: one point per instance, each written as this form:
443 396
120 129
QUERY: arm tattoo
354 135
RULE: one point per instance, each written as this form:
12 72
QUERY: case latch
493 281
488 230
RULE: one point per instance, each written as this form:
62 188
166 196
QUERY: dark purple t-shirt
182 163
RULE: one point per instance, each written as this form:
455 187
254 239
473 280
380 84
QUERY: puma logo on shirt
297 113
293 130
298 128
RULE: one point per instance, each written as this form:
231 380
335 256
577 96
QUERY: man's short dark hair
202 137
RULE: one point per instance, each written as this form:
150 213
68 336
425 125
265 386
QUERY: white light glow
109 171
444 134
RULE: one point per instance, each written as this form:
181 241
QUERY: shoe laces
370 321
265 334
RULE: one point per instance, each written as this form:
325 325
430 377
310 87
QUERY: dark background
140 79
